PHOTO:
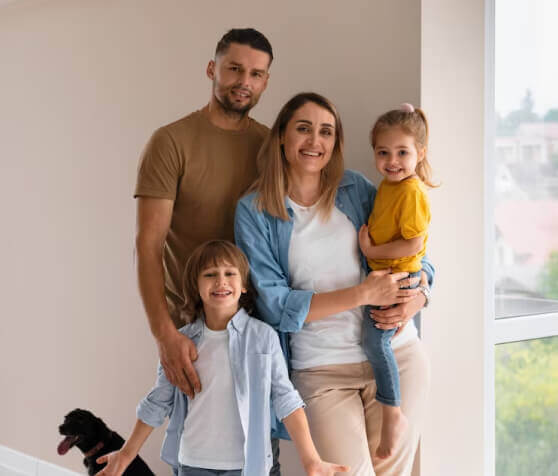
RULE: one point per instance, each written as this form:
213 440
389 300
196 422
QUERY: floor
8 472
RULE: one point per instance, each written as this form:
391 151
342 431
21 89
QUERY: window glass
526 157
527 408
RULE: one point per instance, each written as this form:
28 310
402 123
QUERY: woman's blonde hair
207 255
273 185
413 122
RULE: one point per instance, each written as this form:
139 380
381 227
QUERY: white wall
452 92
83 85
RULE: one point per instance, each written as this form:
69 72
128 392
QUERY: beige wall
83 85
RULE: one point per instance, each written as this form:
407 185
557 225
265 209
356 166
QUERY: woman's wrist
360 293
421 301
425 293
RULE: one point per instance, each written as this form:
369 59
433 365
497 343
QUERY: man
191 174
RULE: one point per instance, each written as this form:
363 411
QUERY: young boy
226 429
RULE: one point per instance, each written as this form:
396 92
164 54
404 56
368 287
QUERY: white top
213 436
324 256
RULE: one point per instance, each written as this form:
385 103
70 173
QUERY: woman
299 230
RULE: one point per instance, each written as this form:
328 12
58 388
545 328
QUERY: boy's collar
195 328
238 322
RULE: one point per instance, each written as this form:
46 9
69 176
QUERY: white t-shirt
213 436
324 256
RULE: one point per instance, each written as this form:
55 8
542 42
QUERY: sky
526 54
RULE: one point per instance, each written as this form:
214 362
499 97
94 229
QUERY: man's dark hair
244 36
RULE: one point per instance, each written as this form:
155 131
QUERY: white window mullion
489 240
515 329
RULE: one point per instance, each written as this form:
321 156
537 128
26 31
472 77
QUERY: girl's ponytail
424 170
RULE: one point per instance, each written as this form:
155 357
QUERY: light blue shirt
265 241
259 372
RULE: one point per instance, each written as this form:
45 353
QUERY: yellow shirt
401 210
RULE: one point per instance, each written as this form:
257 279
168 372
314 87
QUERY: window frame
508 329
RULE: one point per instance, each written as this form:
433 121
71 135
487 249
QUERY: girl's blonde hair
207 255
413 122
273 185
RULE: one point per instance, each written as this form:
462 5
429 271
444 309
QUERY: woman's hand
380 288
398 316
117 462
323 468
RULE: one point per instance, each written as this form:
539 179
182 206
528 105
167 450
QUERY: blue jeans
189 471
275 470
377 347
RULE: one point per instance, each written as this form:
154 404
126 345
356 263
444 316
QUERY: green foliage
551 115
548 278
527 408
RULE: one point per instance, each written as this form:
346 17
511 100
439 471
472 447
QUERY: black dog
89 433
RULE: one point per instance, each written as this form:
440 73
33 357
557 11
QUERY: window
527 407
522 186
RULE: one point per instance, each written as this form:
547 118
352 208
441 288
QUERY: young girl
395 238
226 429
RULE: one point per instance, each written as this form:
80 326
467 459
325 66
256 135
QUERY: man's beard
230 109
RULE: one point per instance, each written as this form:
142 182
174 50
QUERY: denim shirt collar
342 201
346 181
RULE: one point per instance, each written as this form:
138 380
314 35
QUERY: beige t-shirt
204 170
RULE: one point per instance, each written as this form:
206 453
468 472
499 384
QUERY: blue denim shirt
265 241
259 372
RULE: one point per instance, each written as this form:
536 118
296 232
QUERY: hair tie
406 107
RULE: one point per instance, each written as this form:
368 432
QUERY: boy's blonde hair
273 185
413 122
208 254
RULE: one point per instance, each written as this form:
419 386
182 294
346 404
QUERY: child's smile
396 154
220 287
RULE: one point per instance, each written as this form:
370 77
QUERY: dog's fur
84 430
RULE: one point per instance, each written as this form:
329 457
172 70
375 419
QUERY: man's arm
176 351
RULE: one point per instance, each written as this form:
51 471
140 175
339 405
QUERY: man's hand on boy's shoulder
177 353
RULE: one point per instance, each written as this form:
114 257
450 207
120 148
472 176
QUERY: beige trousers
345 419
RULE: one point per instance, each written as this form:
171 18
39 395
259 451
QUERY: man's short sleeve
160 168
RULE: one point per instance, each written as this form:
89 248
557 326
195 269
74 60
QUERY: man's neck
224 120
